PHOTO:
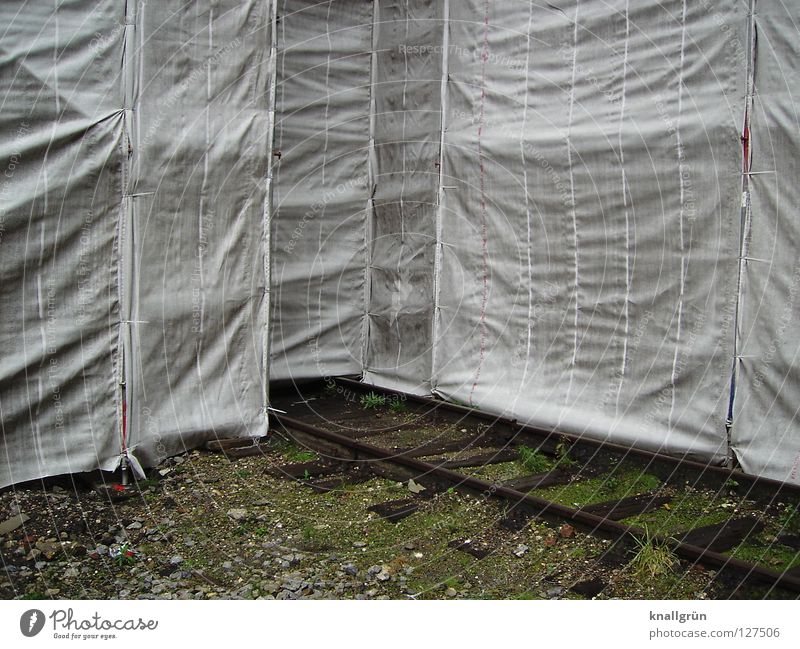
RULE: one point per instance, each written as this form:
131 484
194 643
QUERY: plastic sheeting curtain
588 276
320 204
407 123
534 208
62 153
568 255
765 425
196 224
132 230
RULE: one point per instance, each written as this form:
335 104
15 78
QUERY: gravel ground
204 527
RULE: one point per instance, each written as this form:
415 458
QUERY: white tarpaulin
132 229
589 240
765 431
61 157
320 207
533 208
407 122
196 228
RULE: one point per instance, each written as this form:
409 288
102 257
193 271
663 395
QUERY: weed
312 539
306 475
126 555
789 520
578 553
533 460
244 528
262 530
525 595
296 455
562 453
653 558
243 473
330 387
34 595
397 406
452 582
372 400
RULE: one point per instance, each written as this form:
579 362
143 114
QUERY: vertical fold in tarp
588 273
61 153
321 176
200 143
406 178
765 426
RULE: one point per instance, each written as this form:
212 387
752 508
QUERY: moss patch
614 486
688 510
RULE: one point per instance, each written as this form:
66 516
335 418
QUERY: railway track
630 496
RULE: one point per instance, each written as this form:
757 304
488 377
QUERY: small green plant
526 594
789 520
653 558
243 473
372 400
330 387
533 460
297 455
34 594
126 555
578 553
452 582
243 529
261 530
312 538
398 407
306 475
562 453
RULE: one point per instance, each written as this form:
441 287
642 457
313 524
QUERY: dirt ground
205 527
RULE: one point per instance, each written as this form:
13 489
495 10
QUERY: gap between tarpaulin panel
440 194
372 166
266 234
129 73
745 218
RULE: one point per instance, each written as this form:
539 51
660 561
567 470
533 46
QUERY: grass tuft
533 460
653 558
372 400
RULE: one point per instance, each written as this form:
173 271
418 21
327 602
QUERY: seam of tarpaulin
626 209
528 215
574 217
266 340
372 169
440 194
681 224
484 334
745 220
126 236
